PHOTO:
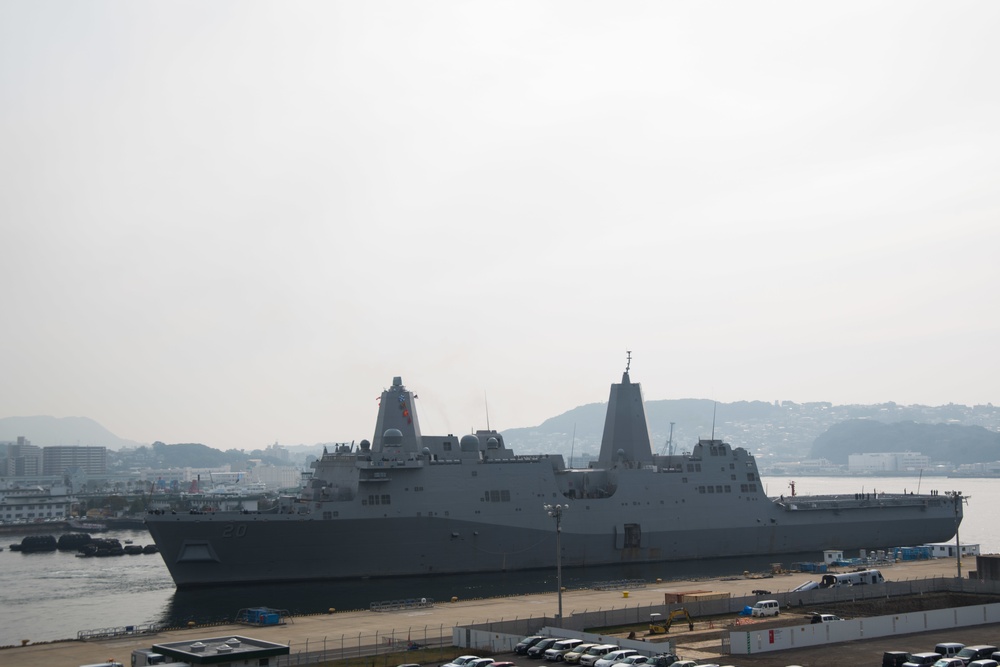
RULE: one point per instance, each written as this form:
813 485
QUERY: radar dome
392 437
469 443
492 443
365 445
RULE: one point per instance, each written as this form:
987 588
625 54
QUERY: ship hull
233 549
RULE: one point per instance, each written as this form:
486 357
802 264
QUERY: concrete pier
447 615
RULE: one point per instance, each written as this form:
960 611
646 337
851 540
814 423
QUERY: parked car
685 663
573 657
556 652
894 658
482 662
539 649
978 652
766 608
662 660
460 661
595 653
949 649
921 659
615 656
949 662
986 662
825 618
526 643
633 660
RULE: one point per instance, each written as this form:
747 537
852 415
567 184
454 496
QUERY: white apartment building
879 462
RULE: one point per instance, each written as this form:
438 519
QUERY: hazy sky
234 222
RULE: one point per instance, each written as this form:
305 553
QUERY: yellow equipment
657 626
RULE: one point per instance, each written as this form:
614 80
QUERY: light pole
556 512
957 498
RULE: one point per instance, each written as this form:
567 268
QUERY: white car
461 661
615 656
556 652
595 653
633 661
573 657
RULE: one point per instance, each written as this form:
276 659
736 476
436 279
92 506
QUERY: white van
766 608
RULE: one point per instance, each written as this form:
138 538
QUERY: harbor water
52 596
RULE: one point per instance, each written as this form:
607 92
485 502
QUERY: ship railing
119 631
793 503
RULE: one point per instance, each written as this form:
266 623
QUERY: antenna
669 446
714 406
628 360
571 446
487 411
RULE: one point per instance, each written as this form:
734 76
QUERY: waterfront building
882 462
34 504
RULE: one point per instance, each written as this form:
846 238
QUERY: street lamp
957 498
556 512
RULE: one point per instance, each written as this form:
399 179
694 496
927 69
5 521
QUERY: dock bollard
624 594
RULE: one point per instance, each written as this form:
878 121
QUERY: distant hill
955 443
51 431
776 430
195 455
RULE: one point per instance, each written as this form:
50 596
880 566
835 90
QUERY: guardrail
120 631
344 647
618 584
401 605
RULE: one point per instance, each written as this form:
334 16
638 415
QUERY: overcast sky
234 222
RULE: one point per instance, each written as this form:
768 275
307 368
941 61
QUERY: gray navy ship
413 504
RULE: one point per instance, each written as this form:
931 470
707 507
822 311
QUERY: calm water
54 595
